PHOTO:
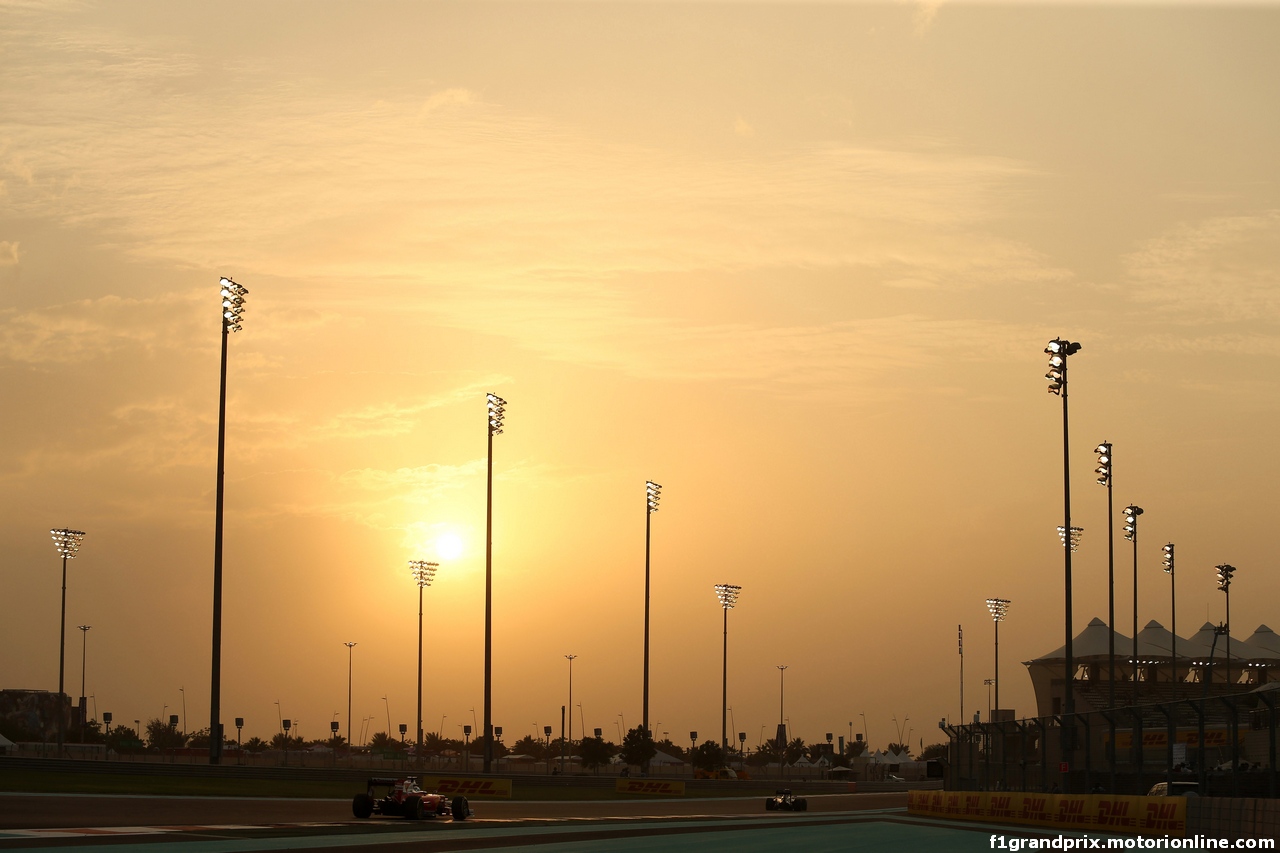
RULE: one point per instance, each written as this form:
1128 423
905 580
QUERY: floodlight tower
998 607
1131 513
1225 571
67 542
1173 616
233 307
1104 479
423 574
1059 351
496 413
652 494
350 647
728 595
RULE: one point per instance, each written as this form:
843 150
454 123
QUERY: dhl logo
1035 807
1071 811
475 787
1001 806
650 786
1162 817
1115 813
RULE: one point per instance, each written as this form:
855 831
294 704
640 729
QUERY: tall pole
728 595
1131 513
960 641
1059 351
724 688
653 493
998 607
1104 472
349 646
1173 618
423 573
67 543
84 658
233 296
570 658
1225 571
495 406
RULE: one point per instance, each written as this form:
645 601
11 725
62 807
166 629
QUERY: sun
449 546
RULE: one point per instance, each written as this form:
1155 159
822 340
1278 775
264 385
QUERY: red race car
403 798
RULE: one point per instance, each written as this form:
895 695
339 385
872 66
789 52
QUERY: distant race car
785 801
403 798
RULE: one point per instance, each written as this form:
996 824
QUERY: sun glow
449 546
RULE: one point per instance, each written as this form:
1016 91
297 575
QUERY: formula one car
785 801
403 798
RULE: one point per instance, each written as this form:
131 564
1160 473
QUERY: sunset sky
795 262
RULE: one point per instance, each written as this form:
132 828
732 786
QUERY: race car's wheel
770 805
802 805
413 809
461 808
362 805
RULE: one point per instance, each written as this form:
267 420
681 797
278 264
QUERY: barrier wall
655 787
467 787
1078 812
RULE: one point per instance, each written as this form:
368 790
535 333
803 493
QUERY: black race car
785 801
403 798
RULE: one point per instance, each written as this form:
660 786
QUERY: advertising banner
1080 812
657 787
452 785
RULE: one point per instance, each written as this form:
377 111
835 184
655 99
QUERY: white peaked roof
1092 642
1155 641
661 757
1240 650
1265 638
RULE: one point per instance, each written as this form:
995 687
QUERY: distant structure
1200 666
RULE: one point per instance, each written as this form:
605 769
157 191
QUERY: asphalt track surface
139 824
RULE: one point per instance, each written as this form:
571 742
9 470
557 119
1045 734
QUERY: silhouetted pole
349 646
233 306
1173 618
653 493
67 542
1225 571
1131 514
496 410
998 607
423 573
728 595
1104 479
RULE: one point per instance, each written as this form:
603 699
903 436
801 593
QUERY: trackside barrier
658 787
1081 812
467 787
853 787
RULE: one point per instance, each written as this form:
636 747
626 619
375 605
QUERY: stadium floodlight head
233 304
728 594
1076 533
1168 558
1131 514
998 607
1225 571
1104 463
423 572
497 410
67 542
654 493
1058 351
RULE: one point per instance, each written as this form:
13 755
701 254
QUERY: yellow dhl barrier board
467 787
657 787
1081 812
1160 737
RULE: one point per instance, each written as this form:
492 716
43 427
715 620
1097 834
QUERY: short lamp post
233 307
84 658
1225 571
728 595
423 574
998 607
569 736
1131 513
67 542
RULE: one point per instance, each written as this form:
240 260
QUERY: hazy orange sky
796 262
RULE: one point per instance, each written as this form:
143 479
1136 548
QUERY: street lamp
998 607
1104 479
1059 350
782 716
1173 615
728 595
84 657
233 307
423 573
67 543
349 646
1225 571
1131 513
496 407
652 494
